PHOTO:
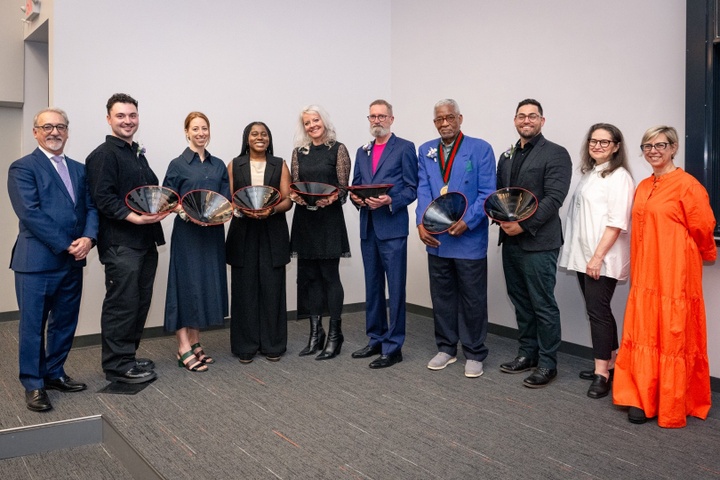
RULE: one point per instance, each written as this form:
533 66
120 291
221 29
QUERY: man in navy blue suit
383 233
457 259
58 227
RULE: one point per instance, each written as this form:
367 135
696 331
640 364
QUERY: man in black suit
58 227
126 243
530 248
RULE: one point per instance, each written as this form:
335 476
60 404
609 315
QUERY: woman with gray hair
662 366
318 236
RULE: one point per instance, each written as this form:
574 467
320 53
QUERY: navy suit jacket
397 166
49 220
546 172
473 175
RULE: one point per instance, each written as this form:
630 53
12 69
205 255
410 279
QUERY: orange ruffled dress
662 365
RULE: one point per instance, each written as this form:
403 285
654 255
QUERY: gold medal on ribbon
444 190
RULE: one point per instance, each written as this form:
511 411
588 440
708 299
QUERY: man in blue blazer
530 248
383 233
58 227
457 259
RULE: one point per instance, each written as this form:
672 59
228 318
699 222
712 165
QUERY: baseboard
9 316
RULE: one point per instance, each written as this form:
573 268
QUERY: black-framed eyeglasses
49 127
446 118
533 117
380 118
603 143
660 146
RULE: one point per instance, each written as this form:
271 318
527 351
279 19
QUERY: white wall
240 61
237 62
622 63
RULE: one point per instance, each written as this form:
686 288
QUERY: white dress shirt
599 202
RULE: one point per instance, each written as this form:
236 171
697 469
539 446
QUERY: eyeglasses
49 127
447 118
603 143
660 146
380 118
533 117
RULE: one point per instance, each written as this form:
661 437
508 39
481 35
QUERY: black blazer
276 224
546 172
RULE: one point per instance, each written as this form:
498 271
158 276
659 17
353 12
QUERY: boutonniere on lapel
140 150
432 153
510 151
368 148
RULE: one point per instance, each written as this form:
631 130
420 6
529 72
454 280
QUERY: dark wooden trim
702 97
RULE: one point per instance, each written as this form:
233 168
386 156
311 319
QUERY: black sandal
201 355
196 366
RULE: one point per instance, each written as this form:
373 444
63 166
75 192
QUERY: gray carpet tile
302 418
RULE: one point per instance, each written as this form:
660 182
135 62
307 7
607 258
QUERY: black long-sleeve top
114 169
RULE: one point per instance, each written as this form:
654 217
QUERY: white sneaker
440 361
473 368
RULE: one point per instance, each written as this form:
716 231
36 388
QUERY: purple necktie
64 175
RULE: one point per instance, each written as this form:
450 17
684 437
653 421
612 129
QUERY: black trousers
258 306
603 328
530 279
458 289
321 279
129 278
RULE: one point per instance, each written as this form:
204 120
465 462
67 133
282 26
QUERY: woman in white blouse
597 244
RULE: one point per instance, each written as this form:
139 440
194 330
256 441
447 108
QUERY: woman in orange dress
662 366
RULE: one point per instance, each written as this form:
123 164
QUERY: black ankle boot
317 336
334 341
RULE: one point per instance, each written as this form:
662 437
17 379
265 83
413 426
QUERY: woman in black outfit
257 248
319 237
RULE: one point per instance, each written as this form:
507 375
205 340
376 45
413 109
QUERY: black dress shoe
367 351
519 365
540 377
599 388
145 363
37 400
635 415
134 375
590 374
384 361
64 384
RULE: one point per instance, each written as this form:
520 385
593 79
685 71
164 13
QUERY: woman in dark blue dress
197 279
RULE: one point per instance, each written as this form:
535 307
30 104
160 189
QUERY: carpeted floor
337 419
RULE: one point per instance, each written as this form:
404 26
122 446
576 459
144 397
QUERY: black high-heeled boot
334 341
317 336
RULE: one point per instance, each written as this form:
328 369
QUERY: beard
378 131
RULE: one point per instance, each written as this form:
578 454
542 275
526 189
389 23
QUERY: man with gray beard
391 160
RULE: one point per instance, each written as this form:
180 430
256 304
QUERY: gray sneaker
440 361
473 368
